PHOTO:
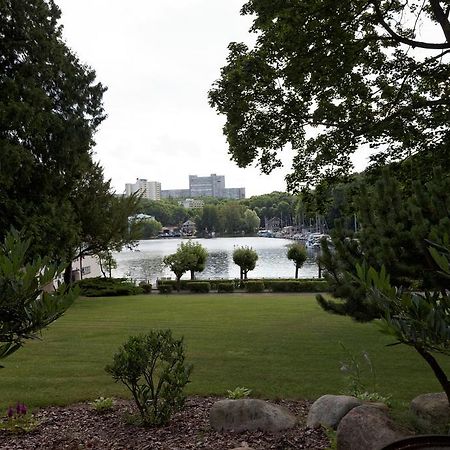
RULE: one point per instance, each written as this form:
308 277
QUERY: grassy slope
277 345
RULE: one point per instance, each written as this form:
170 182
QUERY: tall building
212 186
149 189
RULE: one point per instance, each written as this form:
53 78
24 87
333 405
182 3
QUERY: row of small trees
191 257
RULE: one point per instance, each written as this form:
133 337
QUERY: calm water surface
146 260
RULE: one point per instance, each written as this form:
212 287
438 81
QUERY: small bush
153 368
239 392
165 288
146 287
107 287
225 287
202 287
103 404
254 286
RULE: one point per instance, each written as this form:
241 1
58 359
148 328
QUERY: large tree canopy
50 108
330 76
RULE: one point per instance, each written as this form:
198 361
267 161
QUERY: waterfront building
150 190
192 203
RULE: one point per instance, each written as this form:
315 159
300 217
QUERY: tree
178 264
297 253
26 306
189 256
50 108
150 228
394 231
208 220
328 78
107 263
419 320
245 258
251 221
195 255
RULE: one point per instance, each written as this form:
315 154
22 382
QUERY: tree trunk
192 275
245 274
438 372
296 272
178 283
241 273
68 275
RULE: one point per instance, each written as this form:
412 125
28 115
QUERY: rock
432 408
367 427
328 410
250 414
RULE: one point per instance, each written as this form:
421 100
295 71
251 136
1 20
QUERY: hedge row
107 287
308 284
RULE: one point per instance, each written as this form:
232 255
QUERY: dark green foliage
394 230
299 286
165 288
146 287
254 286
153 368
107 287
353 74
419 320
199 287
245 258
225 287
50 107
25 306
149 229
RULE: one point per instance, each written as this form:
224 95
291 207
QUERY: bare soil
80 427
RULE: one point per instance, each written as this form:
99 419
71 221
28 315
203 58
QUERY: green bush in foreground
254 286
152 367
199 287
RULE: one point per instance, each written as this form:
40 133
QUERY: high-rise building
149 189
212 186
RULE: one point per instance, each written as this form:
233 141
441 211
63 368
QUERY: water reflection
146 261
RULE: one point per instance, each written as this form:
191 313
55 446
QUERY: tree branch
405 40
441 18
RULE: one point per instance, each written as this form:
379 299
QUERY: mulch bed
80 427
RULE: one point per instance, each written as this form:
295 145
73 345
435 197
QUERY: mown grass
277 345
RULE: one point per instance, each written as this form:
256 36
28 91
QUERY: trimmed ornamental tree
26 306
195 255
245 258
297 253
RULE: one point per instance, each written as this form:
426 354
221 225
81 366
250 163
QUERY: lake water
145 262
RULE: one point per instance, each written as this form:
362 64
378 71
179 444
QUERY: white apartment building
149 189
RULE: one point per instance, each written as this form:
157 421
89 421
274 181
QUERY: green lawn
277 345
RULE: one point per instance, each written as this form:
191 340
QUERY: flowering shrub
18 420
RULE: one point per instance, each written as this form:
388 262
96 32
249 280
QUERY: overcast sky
158 60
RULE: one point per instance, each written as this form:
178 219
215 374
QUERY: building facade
150 190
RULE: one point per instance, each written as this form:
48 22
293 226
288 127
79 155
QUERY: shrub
165 288
18 420
254 286
146 287
200 287
225 287
239 392
107 287
153 368
299 286
103 404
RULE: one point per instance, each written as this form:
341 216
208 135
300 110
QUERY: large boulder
367 427
432 408
328 410
250 414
